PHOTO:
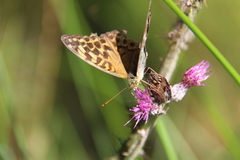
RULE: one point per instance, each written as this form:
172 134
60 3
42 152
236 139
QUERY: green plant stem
230 69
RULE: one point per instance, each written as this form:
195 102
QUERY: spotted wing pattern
110 52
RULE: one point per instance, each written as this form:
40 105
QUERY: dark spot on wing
86 49
96 51
105 54
102 41
97 44
90 45
105 47
86 39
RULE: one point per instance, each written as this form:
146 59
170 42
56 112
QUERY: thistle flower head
192 77
144 107
196 74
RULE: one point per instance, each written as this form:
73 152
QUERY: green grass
218 55
50 100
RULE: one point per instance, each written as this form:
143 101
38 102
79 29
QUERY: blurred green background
50 101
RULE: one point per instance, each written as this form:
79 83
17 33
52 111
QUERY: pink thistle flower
196 74
144 107
192 77
148 102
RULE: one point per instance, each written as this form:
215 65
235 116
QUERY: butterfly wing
143 54
99 51
129 52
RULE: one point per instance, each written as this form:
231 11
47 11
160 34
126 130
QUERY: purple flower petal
144 107
196 74
192 77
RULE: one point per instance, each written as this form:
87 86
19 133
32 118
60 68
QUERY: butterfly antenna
104 104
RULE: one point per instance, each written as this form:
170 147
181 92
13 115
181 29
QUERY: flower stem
181 36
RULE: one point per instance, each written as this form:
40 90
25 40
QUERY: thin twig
180 37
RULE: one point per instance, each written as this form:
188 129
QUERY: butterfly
112 52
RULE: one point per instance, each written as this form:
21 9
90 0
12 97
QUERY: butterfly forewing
110 52
143 54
